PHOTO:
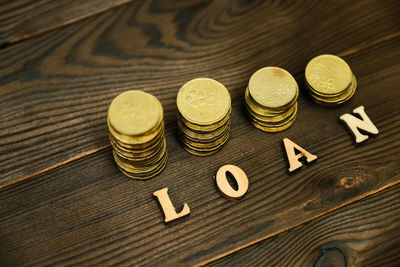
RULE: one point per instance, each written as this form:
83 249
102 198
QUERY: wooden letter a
168 208
293 158
354 124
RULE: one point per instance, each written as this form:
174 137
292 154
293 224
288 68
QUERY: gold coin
273 87
155 138
264 114
207 149
134 113
138 141
315 92
270 118
269 123
328 74
137 168
264 110
199 144
273 129
275 123
203 151
136 153
204 128
352 91
205 145
144 175
142 155
267 110
195 135
322 95
203 139
145 162
331 101
203 101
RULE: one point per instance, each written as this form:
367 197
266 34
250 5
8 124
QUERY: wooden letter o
225 188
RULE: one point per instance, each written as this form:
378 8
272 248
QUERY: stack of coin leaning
271 99
204 108
136 130
330 80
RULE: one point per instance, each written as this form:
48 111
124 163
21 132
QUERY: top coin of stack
136 131
330 80
204 108
271 99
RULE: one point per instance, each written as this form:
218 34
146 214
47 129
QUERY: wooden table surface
63 200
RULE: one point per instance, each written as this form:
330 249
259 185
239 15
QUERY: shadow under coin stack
330 80
204 108
136 130
271 99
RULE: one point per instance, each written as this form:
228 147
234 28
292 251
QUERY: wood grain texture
88 213
55 89
22 19
365 233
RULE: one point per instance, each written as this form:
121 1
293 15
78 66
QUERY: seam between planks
351 51
358 198
10 44
55 166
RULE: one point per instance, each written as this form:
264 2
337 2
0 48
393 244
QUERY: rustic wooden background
63 200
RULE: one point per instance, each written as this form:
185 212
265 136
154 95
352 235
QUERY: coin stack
204 108
271 99
330 80
136 130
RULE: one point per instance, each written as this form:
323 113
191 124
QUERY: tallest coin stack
136 130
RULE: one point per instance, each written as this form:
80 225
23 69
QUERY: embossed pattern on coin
134 113
272 87
203 101
328 74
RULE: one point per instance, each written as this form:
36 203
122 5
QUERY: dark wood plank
22 19
88 213
365 233
55 89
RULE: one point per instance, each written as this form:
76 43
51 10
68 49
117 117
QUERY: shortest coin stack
204 108
136 131
330 80
271 99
